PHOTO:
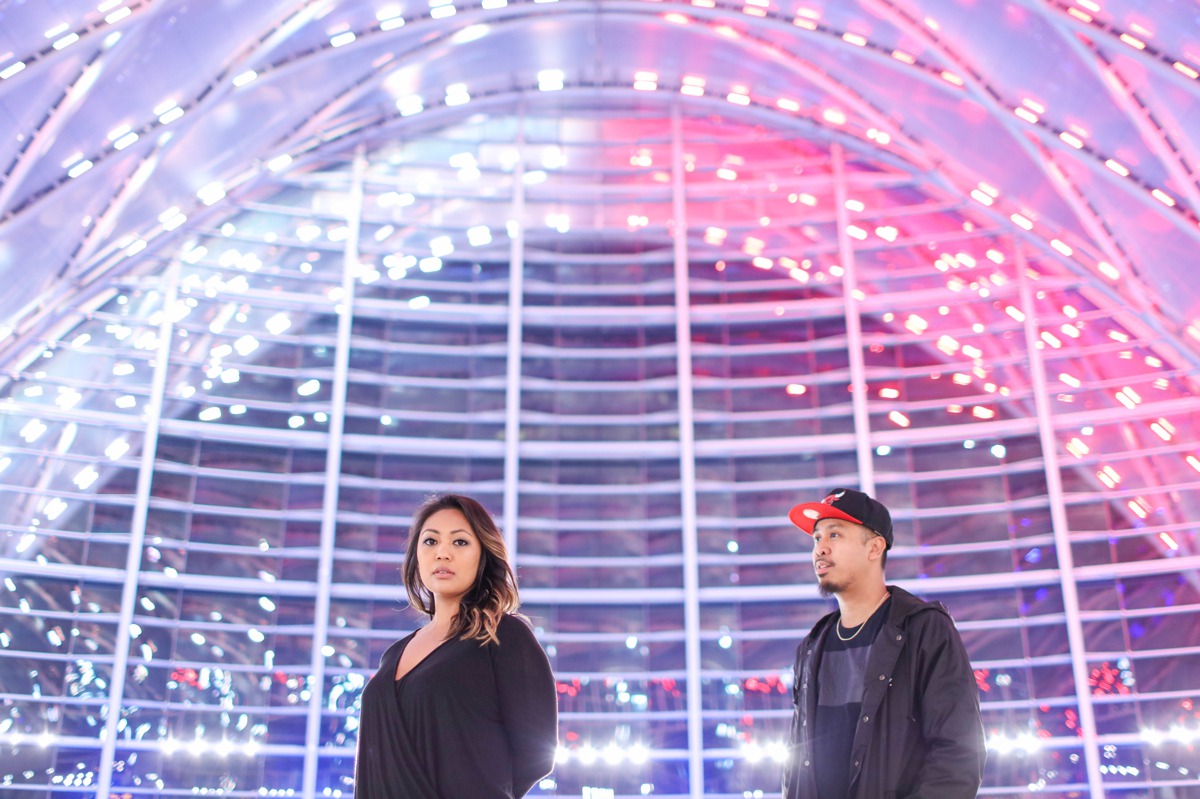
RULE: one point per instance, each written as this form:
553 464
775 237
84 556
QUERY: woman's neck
444 611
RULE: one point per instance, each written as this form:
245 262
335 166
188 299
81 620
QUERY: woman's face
448 553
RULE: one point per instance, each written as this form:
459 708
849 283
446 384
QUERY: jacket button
856 764
899 637
883 676
806 762
866 718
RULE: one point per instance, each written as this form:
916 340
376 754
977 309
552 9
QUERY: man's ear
878 547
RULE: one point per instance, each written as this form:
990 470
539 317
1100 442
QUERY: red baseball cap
848 504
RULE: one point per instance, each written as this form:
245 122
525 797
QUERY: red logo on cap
832 498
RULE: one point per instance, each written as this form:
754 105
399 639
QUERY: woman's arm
528 703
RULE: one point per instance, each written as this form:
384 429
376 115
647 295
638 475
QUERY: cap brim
807 514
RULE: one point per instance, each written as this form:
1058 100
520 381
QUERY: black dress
467 722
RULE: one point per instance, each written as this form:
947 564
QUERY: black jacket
919 735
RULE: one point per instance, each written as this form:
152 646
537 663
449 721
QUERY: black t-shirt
839 698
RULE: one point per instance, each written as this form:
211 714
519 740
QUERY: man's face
842 554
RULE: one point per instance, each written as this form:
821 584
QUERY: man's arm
949 714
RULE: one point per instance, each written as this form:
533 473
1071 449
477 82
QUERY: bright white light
417 303
33 430
171 115
246 344
278 323
279 162
550 80
342 38
441 246
246 77
471 33
410 105
67 398
86 477
11 69
295 422
308 388
79 169
479 235
211 193
116 449
210 414
456 94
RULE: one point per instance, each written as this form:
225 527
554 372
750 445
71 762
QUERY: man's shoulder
913 610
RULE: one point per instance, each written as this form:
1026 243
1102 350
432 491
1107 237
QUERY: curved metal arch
985 93
1177 157
772 18
277 33
48 129
1076 199
1151 55
520 11
82 31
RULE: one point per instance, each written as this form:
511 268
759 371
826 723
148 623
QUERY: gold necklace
838 628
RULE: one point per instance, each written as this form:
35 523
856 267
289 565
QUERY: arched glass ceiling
623 302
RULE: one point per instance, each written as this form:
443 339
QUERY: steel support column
850 293
333 470
687 464
516 334
1062 537
137 530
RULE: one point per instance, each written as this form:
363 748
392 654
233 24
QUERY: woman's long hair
495 590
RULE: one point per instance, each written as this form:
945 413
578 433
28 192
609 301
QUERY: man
886 702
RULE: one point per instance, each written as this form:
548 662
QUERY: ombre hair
495 590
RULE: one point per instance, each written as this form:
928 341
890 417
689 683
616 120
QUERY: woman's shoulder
515 627
515 621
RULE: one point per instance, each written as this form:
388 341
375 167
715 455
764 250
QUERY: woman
465 707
